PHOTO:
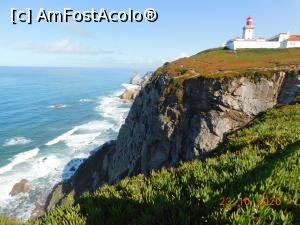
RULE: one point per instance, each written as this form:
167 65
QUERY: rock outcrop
136 83
20 187
130 94
170 123
136 79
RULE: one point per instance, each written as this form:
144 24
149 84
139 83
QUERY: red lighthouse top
249 21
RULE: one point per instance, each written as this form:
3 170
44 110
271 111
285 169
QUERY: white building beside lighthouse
282 40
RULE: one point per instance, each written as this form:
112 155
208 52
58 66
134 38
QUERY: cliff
186 110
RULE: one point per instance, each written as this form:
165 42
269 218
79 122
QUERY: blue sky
183 28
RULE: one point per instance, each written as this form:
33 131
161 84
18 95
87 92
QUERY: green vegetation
227 63
183 70
9 221
260 163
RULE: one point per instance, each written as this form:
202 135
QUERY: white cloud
146 62
156 62
64 46
183 55
77 29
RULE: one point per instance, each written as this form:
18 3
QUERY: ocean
50 120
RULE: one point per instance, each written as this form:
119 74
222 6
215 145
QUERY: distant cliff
186 110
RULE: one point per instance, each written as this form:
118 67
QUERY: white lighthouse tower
248 29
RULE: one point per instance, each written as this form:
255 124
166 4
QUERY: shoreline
133 88
60 150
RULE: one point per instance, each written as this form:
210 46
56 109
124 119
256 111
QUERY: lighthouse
282 40
248 30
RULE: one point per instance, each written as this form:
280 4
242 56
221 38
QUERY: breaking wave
16 141
19 158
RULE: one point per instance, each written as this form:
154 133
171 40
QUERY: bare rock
146 78
130 94
20 187
38 211
136 79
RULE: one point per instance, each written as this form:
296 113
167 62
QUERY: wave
95 125
57 106
113 108
83 100
16 141
77 141
87 133
19 158
61 137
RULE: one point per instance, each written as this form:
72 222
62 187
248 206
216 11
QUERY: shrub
183 70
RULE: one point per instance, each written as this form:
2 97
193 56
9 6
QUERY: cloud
155 62
77 29
64 46
146 62
183 55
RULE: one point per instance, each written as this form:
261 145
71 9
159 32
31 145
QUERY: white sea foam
88 132
131 86
41 172
113 108
19 158
78 141
62 137
83 100
32 168
57 106
16 141
55 162
95 126
44 166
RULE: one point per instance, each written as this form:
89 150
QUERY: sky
183 28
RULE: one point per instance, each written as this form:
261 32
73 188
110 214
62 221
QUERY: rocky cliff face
173 122
165 127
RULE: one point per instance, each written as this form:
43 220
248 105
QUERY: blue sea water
48 118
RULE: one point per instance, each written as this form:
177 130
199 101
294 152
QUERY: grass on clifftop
258 165
222 63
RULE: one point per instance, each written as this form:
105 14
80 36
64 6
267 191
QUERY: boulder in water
20 187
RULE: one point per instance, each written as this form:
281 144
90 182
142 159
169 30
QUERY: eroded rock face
130 94
137 82
160 134
164 128
20 187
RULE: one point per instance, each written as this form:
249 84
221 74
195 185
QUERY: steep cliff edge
184 112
